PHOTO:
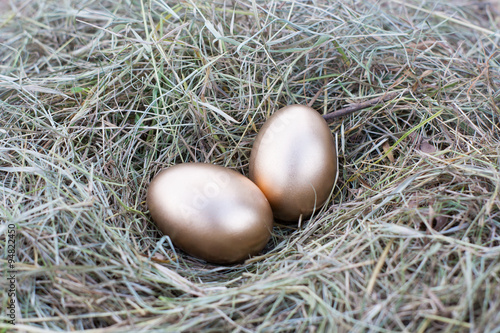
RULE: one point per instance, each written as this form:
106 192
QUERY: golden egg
210 212
294 162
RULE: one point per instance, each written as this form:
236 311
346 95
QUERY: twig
311 102
329 117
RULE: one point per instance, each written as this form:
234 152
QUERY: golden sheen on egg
210 212
294 162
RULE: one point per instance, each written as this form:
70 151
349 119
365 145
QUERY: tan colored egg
294 162
210 212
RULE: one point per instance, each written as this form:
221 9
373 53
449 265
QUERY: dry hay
97 96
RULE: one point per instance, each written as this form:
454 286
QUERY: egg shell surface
210 212
294 162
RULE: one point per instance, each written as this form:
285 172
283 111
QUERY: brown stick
330 117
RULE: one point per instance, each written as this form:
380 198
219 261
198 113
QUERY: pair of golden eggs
221 216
